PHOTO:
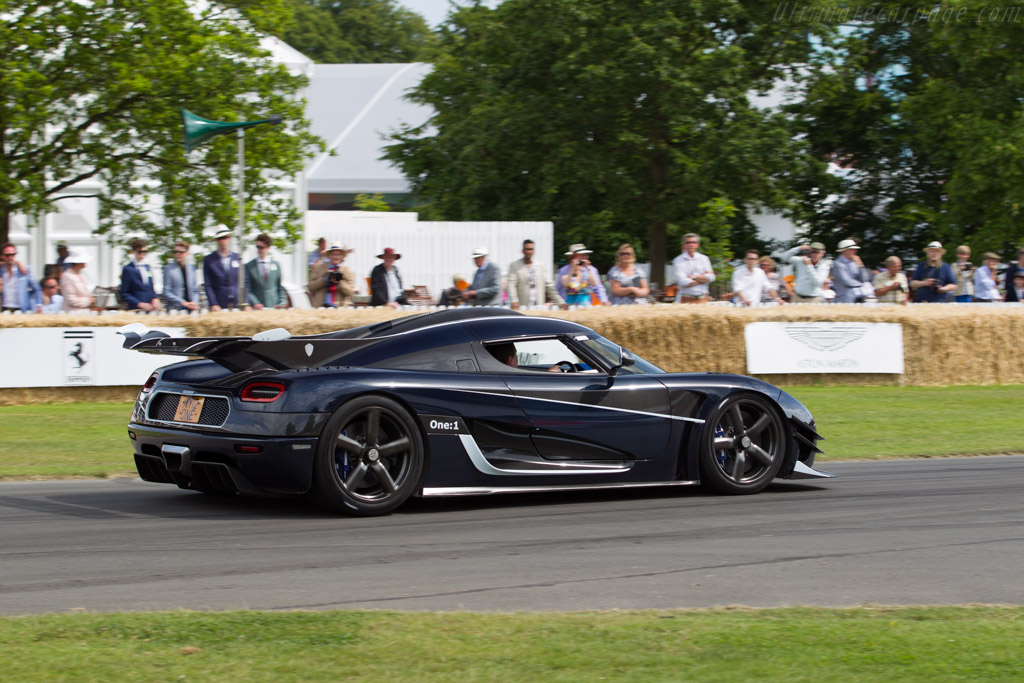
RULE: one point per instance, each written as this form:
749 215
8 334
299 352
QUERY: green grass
795 644
885 422
91 440
66 440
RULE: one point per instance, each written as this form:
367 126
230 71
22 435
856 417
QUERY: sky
434 11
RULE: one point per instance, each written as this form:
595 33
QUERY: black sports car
461 401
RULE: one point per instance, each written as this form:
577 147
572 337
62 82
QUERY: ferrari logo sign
79 356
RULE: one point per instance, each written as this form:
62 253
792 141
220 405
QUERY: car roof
423 320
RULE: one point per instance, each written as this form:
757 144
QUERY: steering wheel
565 366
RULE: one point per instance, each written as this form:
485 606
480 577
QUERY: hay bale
943 344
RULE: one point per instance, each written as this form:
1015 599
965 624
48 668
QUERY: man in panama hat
933 279
220 272
332 284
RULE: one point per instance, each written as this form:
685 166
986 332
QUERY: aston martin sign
820 347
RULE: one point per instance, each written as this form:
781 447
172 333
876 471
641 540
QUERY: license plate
189 409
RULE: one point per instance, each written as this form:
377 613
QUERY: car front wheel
370 458
743 445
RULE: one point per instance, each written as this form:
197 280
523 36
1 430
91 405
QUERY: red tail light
149 383
262 392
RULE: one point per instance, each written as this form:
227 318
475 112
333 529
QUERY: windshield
608 352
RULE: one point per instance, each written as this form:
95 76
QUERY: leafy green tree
356 31
615 120
90 92
923 112
370 202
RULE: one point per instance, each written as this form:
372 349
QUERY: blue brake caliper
720 454
343 465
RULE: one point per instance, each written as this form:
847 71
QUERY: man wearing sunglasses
137 291
19 291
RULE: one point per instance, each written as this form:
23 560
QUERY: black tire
370 458
742 445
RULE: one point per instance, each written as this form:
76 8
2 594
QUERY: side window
542 354
539 355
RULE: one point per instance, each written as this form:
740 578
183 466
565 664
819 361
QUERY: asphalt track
941 531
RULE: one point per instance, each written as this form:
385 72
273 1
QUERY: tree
615 120
370 202
356 31
91 91
923 112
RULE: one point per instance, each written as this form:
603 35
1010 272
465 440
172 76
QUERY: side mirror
625 360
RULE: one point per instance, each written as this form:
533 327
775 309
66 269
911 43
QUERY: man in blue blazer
137 291
263 278
220 273
180 289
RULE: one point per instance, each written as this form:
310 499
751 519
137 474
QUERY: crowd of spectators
756 280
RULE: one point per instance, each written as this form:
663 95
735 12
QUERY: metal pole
240 231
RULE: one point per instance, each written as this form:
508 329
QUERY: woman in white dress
78 296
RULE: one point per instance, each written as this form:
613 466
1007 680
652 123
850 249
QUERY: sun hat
847 244
578 249
480 251
388 251
75 257
935 244
223 231
817 246
339 246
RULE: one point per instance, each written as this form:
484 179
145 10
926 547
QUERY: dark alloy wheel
743 445
370 458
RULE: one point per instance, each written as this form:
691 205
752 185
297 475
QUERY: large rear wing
274 349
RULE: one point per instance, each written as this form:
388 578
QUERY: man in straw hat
933 279
810 272
485 290
579 254
220 272
332 284
385 282
851 279
693 272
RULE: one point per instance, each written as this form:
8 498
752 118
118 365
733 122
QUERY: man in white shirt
693 272
985 288
749 282
528 284
811 270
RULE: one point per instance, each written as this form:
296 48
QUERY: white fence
432 252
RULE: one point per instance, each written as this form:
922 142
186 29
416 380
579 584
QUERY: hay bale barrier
943 344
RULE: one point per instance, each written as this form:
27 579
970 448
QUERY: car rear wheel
370 458
743 445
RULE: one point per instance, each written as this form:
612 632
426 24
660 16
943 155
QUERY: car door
585 414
